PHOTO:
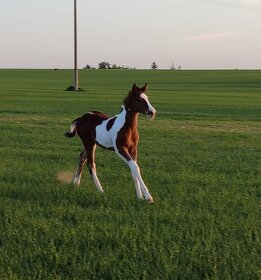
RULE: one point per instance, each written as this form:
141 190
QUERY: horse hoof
150 201
76 184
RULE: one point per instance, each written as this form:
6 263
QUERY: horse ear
145 88
134 88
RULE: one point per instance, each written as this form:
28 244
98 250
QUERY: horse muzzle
151 113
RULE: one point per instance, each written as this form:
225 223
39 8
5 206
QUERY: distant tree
172 66
104 65
179 68
154 66
115 66
87 67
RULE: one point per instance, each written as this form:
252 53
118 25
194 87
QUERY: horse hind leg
78 173
92 168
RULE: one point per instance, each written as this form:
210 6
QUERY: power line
229 4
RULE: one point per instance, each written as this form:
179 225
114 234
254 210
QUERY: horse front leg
134 156
137 186
135 170
136 174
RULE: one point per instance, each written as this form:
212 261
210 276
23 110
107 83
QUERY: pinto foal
118 133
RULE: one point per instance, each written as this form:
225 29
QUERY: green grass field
200 159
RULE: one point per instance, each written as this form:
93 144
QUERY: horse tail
72 130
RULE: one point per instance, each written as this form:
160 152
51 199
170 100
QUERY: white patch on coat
108 138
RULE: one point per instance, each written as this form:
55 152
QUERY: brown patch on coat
110 123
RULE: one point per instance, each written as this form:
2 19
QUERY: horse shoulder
135 137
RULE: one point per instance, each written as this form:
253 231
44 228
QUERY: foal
118 133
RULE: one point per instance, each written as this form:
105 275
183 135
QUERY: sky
195 34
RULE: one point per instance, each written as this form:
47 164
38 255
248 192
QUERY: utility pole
76 82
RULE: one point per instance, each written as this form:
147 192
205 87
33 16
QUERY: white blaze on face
151 109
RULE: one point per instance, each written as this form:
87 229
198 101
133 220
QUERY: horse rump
72 130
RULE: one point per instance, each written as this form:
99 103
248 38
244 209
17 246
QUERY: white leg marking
78 173
137 186
77 180
136 172
96 181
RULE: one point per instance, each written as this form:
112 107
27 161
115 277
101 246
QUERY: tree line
107 65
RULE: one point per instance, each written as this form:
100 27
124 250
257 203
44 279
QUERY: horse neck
131 118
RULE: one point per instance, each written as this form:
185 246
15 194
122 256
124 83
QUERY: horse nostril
151 114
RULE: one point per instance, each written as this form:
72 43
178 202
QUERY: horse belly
103 138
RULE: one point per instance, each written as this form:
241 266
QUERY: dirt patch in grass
65 177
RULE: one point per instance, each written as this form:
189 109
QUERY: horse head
138 101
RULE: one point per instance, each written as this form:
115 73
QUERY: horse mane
127 101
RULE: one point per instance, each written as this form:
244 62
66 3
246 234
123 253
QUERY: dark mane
127 100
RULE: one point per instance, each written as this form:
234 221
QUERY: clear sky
196 34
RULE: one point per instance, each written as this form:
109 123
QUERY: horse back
86 124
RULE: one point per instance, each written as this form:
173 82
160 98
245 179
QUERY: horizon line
126 69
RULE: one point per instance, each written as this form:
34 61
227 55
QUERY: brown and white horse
118 133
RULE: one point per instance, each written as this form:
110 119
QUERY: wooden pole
76 82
